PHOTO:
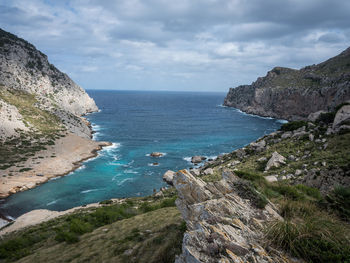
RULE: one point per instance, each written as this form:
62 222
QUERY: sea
137 123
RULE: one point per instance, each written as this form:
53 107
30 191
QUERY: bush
309 234
326 118
293 125
310 191
69 237
288 191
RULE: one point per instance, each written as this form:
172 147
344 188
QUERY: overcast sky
200 45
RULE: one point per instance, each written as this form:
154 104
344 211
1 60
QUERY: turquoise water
178 124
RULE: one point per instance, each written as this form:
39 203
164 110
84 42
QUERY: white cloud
212 44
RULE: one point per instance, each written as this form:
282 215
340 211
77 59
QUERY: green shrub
326 118
310 191
287 191
66 236
293 125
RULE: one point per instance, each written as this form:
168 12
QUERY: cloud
208 44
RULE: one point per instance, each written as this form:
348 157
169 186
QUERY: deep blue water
179 124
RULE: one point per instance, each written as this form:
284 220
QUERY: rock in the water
168 177
275 161
342 117
197 159
156 154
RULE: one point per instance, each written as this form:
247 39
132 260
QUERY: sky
184 45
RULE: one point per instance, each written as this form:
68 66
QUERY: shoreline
65 156
39 216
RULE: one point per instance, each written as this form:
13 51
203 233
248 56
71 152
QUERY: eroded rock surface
223 224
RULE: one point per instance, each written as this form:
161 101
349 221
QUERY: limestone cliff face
294 94
23 67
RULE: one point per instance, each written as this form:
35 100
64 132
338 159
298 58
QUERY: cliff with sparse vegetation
293 94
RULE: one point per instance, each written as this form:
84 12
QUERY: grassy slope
316 227
145 229
44 128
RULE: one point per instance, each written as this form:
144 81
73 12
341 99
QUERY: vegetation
315 226
149 229
44 128
293 125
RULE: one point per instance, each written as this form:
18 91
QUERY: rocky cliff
282 198
25 72
294 94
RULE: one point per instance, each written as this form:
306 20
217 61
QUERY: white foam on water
152 164
95 127
112 147
52 202
81 167
187 159
115 177
125 180
282 121
88 191
130 171
163 154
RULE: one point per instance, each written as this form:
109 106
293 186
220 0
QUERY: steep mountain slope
41 112
294 94
26 71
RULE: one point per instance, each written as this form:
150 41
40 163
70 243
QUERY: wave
163 154
111 148
130 171
187 159
153 164
95 127
52 202
125 180
115 177
88 191
253 115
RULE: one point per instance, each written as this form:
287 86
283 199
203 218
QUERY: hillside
293 94
39 106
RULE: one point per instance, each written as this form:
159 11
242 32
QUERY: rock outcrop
294 94
25 69
223 223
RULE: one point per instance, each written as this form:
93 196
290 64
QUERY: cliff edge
293 94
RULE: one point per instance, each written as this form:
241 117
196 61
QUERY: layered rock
294 94
223 222
24 68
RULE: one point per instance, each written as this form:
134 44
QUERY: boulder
275 161
271 178
168 177
315 115
197 159
196 172
342 117
156 154
311 137
262 159
258 146
208 171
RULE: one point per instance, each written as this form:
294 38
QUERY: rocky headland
294 94
43 133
